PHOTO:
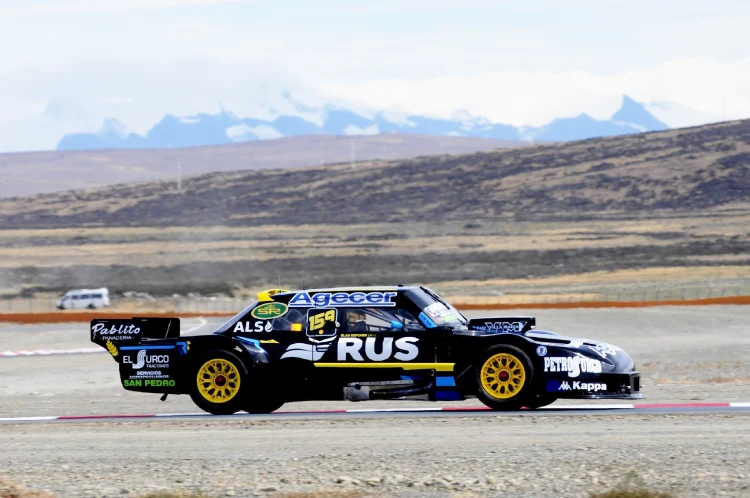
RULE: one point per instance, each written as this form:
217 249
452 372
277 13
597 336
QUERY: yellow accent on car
218 380
265 296
503 376
296 327
440 367
111 348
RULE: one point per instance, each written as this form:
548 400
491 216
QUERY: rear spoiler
503 324
109 333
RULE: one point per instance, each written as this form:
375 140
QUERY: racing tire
262 405
539 401
218 383
505 378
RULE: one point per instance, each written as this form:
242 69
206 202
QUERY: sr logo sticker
268 311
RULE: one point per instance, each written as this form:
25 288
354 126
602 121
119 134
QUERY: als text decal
253 327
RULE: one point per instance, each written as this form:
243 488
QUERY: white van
84 298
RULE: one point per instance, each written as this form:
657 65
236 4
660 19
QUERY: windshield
436 308
230 323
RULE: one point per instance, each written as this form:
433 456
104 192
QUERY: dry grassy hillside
658 211
705 169
31 173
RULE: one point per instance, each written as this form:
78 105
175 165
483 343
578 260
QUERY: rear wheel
504 378
218 383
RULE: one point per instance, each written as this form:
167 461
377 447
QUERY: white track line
202 322
52 352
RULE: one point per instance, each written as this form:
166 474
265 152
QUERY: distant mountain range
227 128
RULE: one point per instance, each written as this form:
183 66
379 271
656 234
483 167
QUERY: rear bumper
605 386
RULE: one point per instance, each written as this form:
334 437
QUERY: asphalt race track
694 357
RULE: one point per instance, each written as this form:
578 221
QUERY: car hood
613 358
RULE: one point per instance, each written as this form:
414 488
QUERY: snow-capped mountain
225 127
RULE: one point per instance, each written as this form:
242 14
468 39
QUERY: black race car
359 344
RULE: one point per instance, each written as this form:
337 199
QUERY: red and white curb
51 352
468 409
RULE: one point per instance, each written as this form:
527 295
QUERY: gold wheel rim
218 380
503 376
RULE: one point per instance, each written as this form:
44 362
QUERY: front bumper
605 386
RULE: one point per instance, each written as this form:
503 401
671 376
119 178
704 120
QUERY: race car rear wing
503 324
120 332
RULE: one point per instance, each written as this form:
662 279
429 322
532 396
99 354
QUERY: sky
67 65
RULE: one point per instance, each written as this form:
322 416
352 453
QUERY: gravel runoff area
685 354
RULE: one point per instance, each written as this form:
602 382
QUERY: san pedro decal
269 310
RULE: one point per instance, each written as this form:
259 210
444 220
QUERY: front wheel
219 381
505 378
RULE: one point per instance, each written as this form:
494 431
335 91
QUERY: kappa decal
268 311
576 386
341 299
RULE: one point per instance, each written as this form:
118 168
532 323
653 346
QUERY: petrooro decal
246 327
351 348
541 350
573 365
342 299
268 311
582 386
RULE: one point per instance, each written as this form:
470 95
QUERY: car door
375 344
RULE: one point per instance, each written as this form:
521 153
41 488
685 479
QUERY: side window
359 320
292 321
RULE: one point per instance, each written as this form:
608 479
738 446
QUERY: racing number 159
319 321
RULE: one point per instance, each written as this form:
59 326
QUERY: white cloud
356 130
518 97
242 132
49 7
